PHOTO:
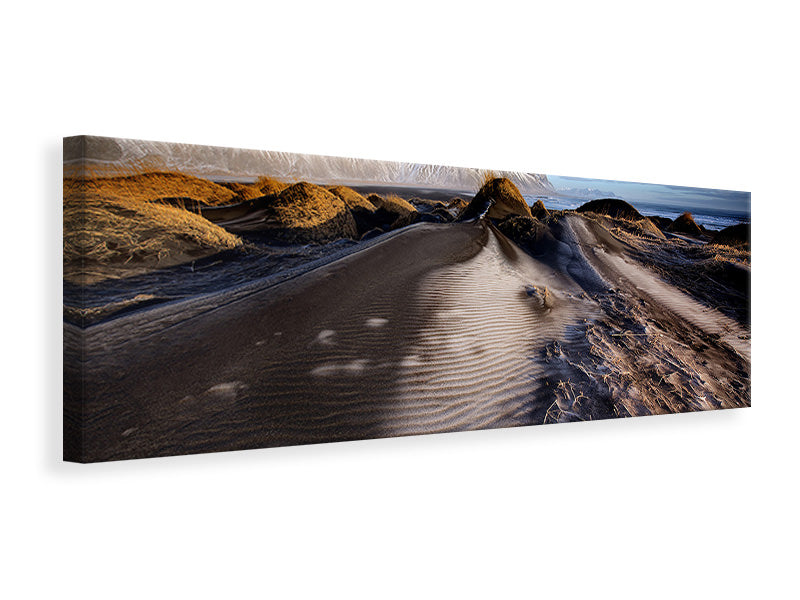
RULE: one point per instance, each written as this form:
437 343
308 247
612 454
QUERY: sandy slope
437 328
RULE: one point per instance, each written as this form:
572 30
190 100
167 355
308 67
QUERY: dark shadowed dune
735 235
661 222
612 207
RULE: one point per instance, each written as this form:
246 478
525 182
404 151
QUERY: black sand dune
434 328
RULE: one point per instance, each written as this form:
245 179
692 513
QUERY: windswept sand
436 328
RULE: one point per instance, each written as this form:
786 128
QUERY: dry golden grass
115 232
392 203
647 228
308 212
723 253
639 227
504 197
352 198
243 191
263 186
270 185
152 186
486 176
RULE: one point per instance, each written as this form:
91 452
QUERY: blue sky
683 198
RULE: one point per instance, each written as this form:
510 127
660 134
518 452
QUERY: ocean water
707 217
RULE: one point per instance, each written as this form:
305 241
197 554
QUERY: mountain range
118 155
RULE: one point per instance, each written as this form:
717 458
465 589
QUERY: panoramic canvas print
224 299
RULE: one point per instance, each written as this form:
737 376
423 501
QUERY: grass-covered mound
539 210
363 210
501 197
611 207
735 235
107 236
157 185
263 186
685 224
392 211
305 212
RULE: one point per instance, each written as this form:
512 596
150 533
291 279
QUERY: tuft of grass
485 176
269 185
352 198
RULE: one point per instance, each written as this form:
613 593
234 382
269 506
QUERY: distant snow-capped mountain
121 155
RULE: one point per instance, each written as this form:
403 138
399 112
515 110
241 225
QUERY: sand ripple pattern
475 364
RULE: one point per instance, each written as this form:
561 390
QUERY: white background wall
691 93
